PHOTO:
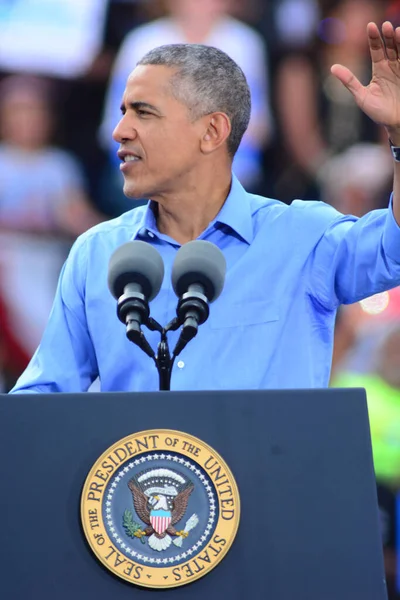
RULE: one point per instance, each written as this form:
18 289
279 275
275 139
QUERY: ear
217 131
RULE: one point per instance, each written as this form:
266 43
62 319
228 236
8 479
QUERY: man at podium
184 112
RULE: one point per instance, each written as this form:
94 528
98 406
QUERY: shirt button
180 364
150 234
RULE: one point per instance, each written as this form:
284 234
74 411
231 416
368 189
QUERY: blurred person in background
382 385
67 41
288 25
356 180
317 116
191 21
358 331
295 22
43 208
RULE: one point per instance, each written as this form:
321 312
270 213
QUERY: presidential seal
160 508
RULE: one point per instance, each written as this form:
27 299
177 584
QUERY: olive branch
131 527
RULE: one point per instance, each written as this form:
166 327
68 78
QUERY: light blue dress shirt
288 269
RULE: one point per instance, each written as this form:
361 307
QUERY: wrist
394 136
395 151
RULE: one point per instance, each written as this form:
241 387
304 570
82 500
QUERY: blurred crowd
63 67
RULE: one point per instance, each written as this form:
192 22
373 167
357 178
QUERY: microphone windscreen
199 262
136 262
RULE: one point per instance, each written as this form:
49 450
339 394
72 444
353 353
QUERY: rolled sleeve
391 236
356 258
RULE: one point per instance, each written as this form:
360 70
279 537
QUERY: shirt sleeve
355 258
65 360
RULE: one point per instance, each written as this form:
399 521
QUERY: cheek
167 151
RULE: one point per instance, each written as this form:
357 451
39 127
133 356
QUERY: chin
134 192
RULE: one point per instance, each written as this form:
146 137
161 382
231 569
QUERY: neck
195 30
184 216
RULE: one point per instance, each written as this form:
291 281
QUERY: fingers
388 34
385 46
397 39
348 79
375 42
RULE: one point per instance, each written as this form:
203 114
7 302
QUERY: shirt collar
146 224
235 214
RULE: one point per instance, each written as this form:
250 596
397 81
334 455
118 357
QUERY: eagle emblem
160 499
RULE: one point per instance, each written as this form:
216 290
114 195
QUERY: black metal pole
164 363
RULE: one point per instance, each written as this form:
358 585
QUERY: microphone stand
133 310
192 311
163 361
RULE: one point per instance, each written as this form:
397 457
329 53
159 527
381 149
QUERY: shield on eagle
160 520
160 498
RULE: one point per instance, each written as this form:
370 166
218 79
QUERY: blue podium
302 460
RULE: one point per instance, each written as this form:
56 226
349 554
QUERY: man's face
25 119
159 144
199 9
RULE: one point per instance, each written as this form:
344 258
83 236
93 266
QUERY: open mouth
130 158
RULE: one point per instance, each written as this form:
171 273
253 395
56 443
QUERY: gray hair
207 81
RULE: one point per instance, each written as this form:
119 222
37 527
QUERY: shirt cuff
391 235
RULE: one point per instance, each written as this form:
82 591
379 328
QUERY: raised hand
380 100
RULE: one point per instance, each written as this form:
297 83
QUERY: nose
124 130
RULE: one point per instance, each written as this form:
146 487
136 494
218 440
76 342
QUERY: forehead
149 83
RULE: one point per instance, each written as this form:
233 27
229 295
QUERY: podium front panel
309 527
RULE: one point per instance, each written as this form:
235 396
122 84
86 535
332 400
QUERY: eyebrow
139 106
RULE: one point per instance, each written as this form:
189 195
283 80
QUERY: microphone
198 277
135 275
